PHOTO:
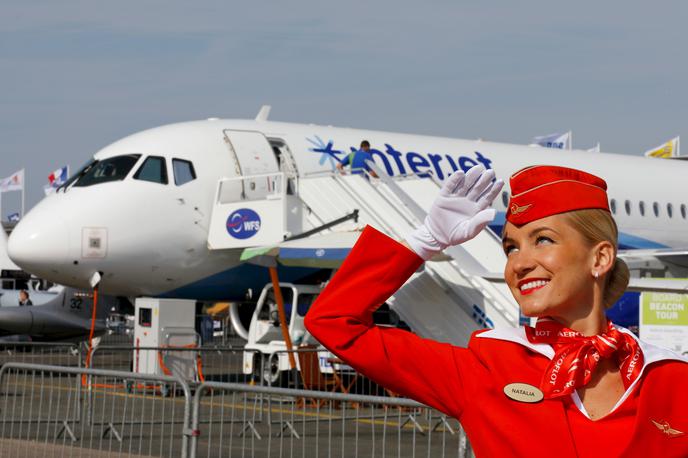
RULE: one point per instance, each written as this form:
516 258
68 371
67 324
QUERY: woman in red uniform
575 385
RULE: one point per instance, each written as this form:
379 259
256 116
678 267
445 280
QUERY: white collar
651 354
517 335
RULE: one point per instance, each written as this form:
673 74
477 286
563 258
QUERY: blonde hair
598 226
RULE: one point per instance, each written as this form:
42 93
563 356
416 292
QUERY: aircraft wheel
271 374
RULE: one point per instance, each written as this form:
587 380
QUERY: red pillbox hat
545 190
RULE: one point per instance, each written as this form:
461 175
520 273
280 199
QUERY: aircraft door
249 209
254 155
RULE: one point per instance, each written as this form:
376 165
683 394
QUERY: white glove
459 213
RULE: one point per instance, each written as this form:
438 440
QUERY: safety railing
58 354
211 363
45 411
317 370
305 423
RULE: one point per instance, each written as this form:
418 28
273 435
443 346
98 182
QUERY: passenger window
655 208
110 169
612 205
641 206
183 171
670 210
627 205
505 198
153 169
683 211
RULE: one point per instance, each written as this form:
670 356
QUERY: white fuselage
157 234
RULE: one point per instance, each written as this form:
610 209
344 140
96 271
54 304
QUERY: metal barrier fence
45 411
57 354
318 370
61 411
194 365
220 364
302 423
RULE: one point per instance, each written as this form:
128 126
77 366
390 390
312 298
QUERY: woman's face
549 266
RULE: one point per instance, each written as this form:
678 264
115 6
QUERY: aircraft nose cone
38 242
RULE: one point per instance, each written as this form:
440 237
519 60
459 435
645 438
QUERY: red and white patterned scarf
576 355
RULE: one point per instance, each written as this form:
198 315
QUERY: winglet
263 113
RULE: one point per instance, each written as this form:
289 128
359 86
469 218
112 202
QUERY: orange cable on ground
166 371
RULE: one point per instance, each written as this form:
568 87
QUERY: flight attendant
575 385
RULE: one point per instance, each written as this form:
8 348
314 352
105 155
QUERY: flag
14 182
13 217
594 149
668 149
557 140
59 177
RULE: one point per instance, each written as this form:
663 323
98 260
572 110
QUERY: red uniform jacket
650 420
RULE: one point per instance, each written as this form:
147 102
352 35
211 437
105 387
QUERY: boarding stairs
447 300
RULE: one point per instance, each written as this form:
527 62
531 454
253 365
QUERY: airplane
66 317
143 211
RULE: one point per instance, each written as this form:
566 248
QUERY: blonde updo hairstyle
598 226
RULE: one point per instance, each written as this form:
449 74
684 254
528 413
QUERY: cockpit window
183 171
153 169
110 169
78 174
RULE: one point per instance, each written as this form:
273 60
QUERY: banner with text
664 320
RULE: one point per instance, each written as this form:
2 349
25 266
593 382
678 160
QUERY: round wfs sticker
243 223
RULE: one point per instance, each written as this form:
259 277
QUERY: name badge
522 392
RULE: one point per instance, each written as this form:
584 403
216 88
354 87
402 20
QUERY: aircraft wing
655 252
659 285
676 258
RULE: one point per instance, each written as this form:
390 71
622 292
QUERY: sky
76 75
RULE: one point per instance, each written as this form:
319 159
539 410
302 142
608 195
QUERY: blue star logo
326 150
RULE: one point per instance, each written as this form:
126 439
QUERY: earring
596 274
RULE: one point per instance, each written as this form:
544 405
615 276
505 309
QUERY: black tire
270 374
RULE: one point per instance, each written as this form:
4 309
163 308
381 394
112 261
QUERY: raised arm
341 318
